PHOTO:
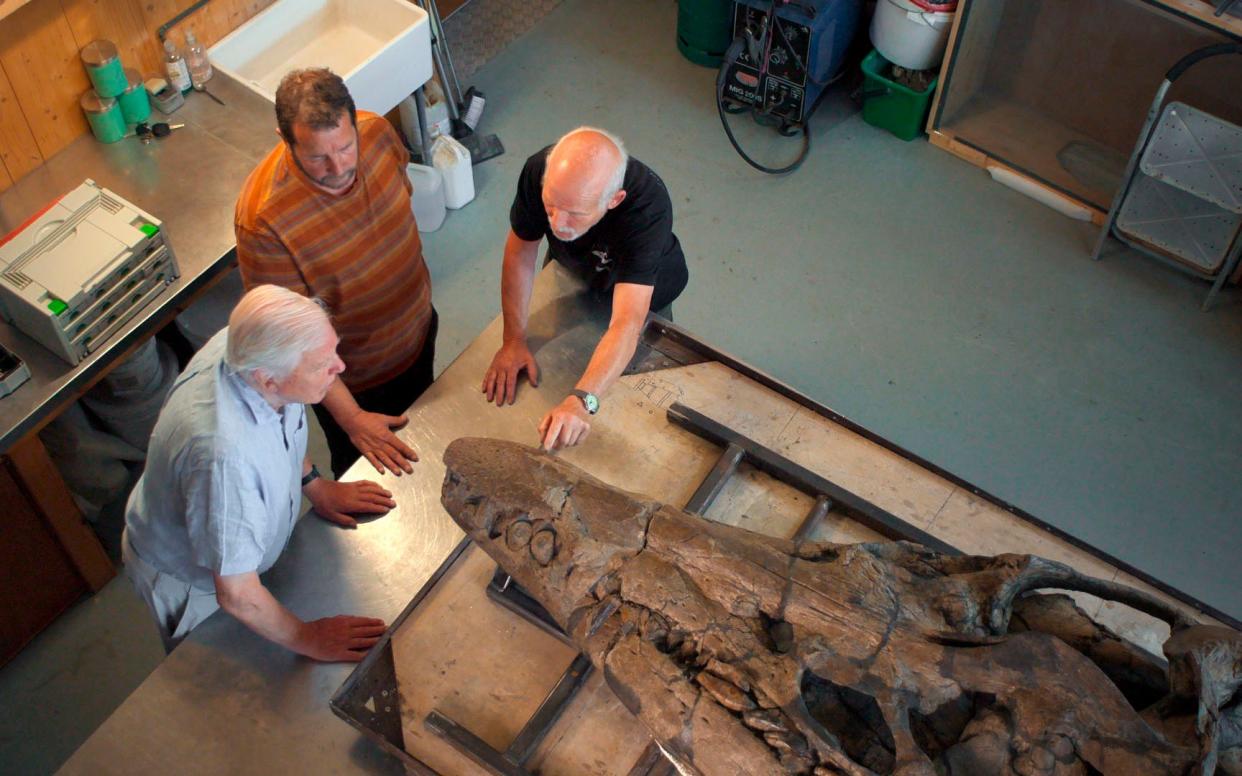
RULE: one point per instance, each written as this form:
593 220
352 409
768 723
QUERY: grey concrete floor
888 280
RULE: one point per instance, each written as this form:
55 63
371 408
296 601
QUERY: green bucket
704 30
889 105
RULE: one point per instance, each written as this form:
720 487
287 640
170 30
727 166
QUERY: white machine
76 272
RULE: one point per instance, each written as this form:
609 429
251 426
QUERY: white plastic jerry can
452 159
427 200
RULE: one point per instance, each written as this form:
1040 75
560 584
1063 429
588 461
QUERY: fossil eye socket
543 546
518 534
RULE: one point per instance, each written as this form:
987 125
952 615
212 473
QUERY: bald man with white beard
608 218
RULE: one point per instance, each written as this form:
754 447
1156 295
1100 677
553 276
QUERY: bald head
582 180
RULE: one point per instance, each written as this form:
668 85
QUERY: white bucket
427 201
908 35
452 159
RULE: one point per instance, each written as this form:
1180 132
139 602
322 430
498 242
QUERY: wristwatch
311 475
589 400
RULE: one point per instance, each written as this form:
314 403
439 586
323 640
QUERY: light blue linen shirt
222 487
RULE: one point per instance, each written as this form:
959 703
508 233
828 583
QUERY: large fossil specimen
744 654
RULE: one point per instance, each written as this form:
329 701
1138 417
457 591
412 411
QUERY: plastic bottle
176 68
452 159
427 199
196 59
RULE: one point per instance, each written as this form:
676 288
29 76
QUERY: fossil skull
743 653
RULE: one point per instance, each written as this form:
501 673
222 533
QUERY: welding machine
784 55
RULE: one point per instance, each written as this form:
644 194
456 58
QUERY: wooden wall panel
9 6
18 150
37 581
41 73
40 58
121 22
209 23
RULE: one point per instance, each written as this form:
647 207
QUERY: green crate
889 105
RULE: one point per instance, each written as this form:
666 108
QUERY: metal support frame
828 495
443 59
512 761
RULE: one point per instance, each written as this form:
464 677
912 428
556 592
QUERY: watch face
592 403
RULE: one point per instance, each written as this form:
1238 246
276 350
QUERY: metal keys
159 129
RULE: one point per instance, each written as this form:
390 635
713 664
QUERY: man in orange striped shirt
327 214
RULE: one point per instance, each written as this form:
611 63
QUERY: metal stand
1179 199
481 148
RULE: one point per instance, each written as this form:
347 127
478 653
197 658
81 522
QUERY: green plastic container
104 116
704 30
889 105
135 104
103 64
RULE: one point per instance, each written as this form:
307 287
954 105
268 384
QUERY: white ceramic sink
382 48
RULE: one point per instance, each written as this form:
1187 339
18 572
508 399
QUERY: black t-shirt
632 243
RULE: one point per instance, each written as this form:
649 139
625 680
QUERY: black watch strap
311 475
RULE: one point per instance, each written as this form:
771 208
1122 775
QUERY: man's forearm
610 358
630 304
517 278
252 604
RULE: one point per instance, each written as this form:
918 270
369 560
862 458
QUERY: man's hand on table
340 639
567 424
336 501
372 433
500 381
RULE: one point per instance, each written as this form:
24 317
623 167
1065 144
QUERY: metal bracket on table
828 495
512 761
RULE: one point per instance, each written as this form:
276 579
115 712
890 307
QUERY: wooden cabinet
1057 90
49 557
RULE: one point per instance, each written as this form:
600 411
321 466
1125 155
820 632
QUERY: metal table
227 701
190 180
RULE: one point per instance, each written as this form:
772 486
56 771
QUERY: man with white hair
609 219
225 475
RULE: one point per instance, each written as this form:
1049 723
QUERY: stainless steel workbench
189 180
226 701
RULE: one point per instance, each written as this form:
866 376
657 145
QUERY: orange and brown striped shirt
358 251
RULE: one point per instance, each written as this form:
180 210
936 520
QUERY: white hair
271 328
617 178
